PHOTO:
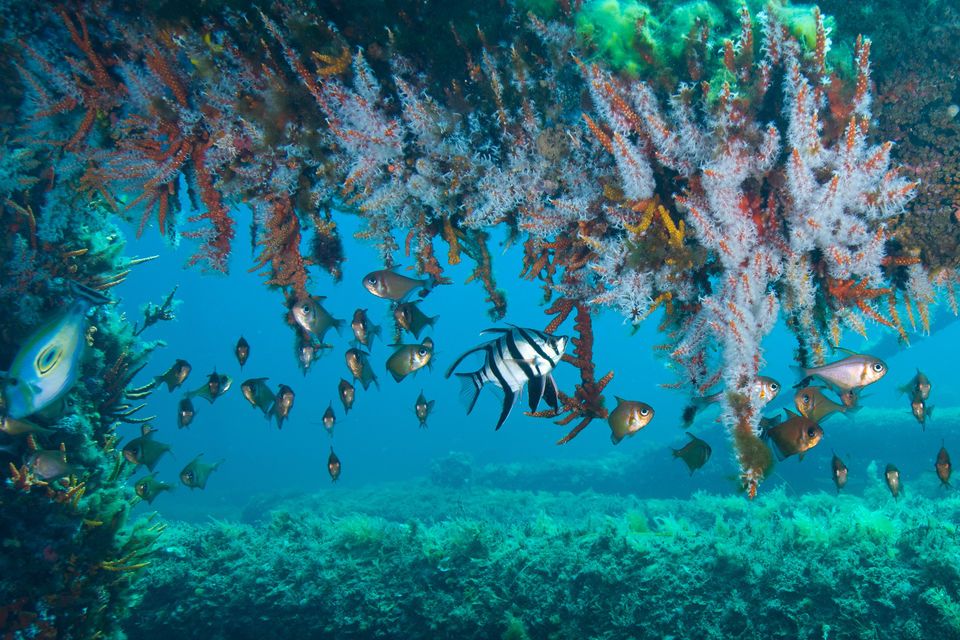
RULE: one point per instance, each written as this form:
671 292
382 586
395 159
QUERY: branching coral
727 176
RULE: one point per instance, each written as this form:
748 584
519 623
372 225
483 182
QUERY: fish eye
806 398
422 352
644 411
811 432
774 386
878 366
372 280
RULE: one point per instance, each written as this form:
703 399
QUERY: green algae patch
403 561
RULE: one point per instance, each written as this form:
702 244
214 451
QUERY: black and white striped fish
516 357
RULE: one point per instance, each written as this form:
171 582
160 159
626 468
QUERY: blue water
379 440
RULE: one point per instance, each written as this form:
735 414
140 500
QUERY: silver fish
389 284
409 358
628 418
313 318
516 357
853 372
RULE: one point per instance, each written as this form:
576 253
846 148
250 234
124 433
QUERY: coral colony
716 166
747 189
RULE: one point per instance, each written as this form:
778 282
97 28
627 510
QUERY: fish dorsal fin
457 362
496 330
791 414
846 351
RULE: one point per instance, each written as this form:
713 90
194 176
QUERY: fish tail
432 320
470 385
85 293
689 413
801 373
338 324
929 413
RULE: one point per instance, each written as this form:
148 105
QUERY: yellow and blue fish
48 362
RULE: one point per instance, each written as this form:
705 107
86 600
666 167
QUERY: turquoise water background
379 440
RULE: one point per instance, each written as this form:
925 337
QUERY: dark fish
628 418
813 404
175 375
333 465
389 284
196 473
47 364
409 316
347 394
363 330
892 476
283 404
15 427
313 318
517 357
145 450
795 435
50 464
149 487
943 466
918 386
853 372
920 410
242 351
360 367
695 453
851 398
329 420
423 407
185 413
258 394
408 358
216 385
307 352
839 472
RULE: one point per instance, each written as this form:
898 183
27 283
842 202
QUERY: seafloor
453 556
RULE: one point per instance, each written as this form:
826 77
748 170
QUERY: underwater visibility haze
503 319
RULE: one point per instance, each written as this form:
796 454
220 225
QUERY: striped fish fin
550 393
470 385
510 398
535 391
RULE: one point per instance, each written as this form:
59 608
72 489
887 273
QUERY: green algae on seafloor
486 569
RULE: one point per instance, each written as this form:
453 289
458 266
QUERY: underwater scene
506 319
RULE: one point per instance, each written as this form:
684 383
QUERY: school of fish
515 359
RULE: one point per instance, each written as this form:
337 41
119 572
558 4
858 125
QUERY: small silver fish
423 408
313 318
359 366
196 473
363 330
175 376
628 418
347 394
50 464
389 284
409 316
329 420
185 413
408 358
258 394
283 404
853 372
216 385
919 385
